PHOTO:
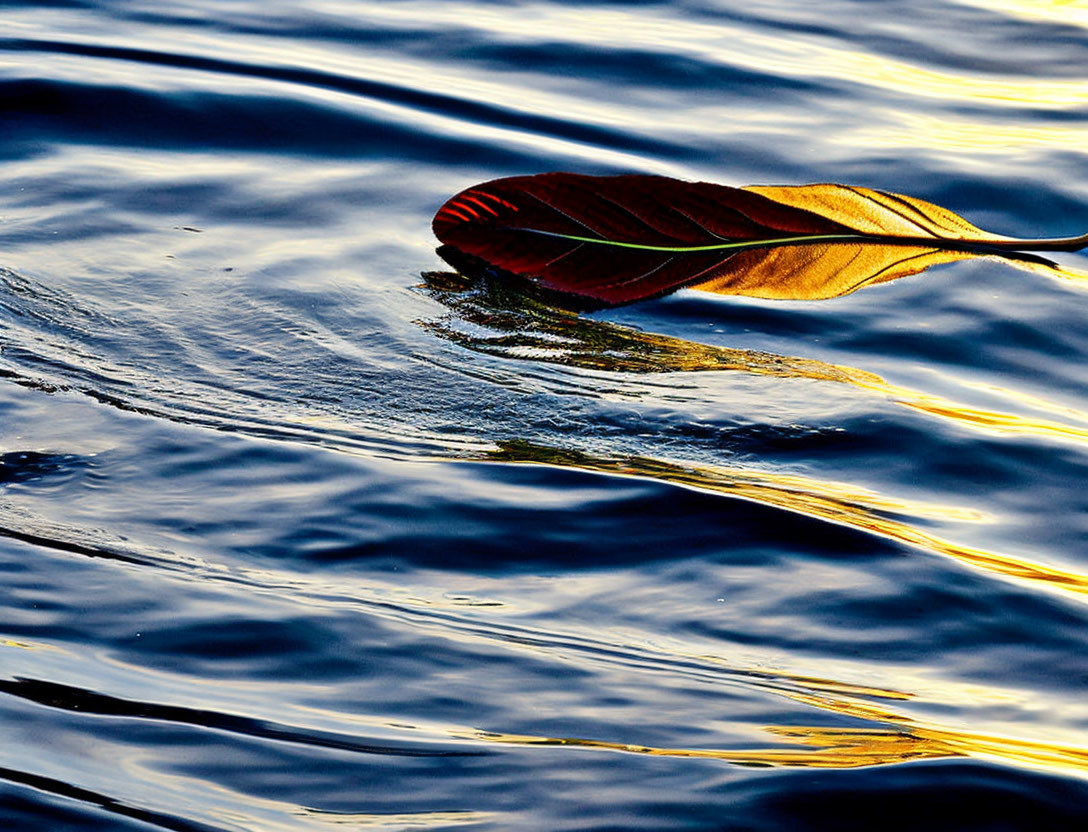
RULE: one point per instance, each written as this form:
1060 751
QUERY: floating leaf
610 240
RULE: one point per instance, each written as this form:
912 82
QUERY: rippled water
302 531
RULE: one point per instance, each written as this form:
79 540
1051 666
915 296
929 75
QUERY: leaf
821 271
610 240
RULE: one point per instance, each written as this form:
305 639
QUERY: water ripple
291 540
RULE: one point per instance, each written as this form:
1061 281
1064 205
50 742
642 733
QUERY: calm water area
302 530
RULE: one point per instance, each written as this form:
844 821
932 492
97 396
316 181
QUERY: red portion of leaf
499 223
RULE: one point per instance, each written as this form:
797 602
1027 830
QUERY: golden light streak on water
896 737
986 420
899 740
949 133
1026 399
1063 12
26 645
834 502
840 750
1065 274
931 740
398 820
909 79
724 44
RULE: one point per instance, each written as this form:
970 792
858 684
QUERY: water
301 531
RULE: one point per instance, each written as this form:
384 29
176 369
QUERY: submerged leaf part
611 240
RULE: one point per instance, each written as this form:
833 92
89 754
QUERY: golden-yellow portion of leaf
819 272
875 212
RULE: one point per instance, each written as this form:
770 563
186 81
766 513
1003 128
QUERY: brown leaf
610 240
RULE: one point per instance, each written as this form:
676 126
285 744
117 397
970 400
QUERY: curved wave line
461 109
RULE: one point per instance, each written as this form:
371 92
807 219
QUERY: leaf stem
1052 244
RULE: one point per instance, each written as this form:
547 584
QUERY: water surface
302 531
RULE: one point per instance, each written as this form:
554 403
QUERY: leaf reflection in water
512 320
494 318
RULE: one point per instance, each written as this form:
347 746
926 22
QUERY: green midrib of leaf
981 246
813 238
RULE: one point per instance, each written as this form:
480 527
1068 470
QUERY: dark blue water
301 531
